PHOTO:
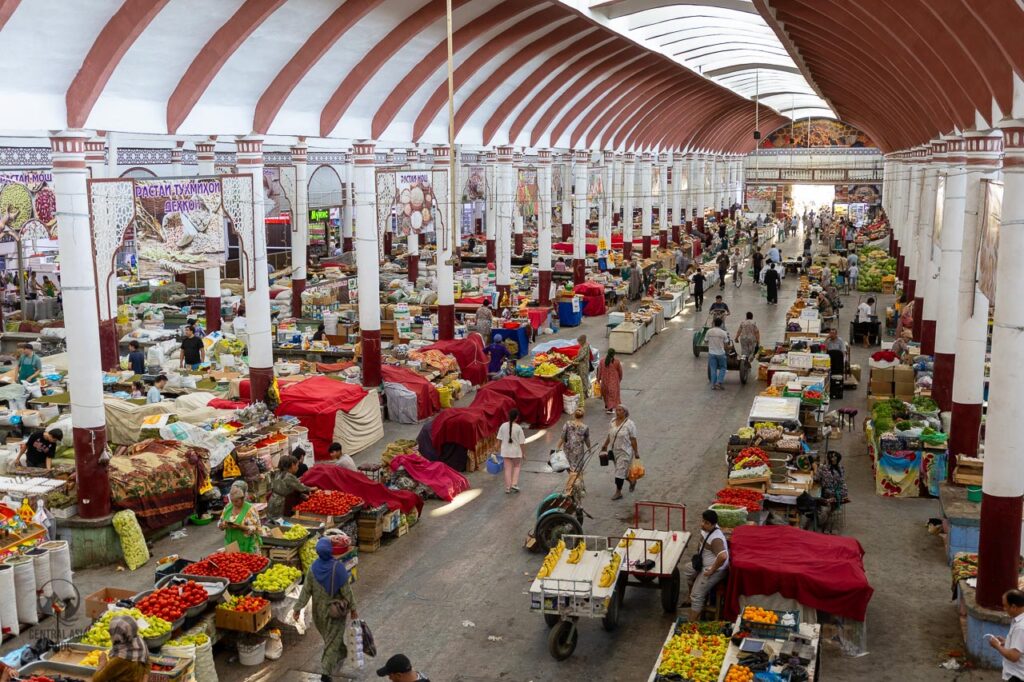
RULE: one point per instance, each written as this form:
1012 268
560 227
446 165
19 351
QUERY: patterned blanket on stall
158 479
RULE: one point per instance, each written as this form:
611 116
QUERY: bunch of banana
551 560
628 540
576 553
655 548
611 571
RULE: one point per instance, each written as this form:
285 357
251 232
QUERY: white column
607 209
663 224
544 226
504 218
348 207
95 160
580 175
177 154
249 159
367 259
447 232
983 151
615 189
205 158
567 193
81 316
911 222
690 197
491 210
1003 477
628 199
300 225
698 190
677 195
412 240
646 202
950 152
930 253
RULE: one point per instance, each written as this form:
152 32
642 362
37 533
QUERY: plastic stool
847 417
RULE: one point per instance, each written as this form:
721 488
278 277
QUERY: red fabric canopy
469 353
223 404
466 426
566 247
539 401
316 402
472 299
334 477
617 240
428 401
328 367
823 572
282 382
593 294
537 316
438 476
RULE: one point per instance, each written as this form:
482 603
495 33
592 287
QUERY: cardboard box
903 373
96 603
883 388
855 372
901 387
886 374
242 621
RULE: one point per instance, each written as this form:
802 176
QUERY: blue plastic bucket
495 465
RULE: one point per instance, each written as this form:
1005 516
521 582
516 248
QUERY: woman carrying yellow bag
636 472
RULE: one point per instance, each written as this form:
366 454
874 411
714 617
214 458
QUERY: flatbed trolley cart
653 547
572 591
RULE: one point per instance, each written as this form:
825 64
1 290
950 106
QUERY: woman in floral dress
575 440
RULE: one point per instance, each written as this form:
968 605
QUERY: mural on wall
476 183
759 198
556 194
28 205
279 187
527 192
817 132
595 193
414 200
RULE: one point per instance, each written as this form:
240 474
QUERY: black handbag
697 560
369 646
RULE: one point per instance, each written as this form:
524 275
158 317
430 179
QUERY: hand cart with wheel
653 547
700 342
572 591
735 362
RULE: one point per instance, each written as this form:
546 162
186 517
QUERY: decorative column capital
204 150
412 156
364 153
629 157
517 157
544 157
984 149
663 158
1013 145
249 150
581 156
490 156
646 158
300 152
504 153
67 149
442 155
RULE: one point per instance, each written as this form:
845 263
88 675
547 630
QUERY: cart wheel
696 343
562 640
553 525
645 579
744 370
670 592
552 619
611 618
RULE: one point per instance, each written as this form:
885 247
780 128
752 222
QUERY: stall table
770 409
521 335
811 631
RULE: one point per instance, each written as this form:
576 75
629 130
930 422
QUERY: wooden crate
967 475
283 555
370 546
240 621
759 483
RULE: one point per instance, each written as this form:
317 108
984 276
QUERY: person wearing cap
399 669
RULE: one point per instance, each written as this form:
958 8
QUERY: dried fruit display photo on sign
415 202
179 225
28 205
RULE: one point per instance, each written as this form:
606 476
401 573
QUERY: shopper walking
128 659
484 320
737 268
583 363
748 336
240 521
609 373
621 445
758 263
717 340
327 585
511 439
723 268
697 282
701 576
1011 647
771 283
575 440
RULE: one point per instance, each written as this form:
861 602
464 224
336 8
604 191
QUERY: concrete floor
452 594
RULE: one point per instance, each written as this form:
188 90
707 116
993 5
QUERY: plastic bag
595 389
558 461
274 647
636 472
33 388
354 643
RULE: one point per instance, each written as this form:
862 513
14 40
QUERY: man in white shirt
865 311
713 564
717 339
345 461
1011 648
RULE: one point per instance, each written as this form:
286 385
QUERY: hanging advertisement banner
28 206
179 225
864 194
595 193
556 194
476 183
280 187
991 218
527 192
414 201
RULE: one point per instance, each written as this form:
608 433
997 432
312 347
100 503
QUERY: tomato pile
328 503
248 604
235 566
750 458
741 497
170 603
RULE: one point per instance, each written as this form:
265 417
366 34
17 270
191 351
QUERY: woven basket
729 515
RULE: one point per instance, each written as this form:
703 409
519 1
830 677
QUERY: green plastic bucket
974 493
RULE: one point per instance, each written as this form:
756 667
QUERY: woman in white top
511 437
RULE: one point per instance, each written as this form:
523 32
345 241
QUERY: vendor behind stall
285 488
136 358
193 352
344 460
240 521
30 365
128 660
155 393
41 448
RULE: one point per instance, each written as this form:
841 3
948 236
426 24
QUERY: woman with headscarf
621 444
609 373
285 488
240 521
583 364
333 602
128 660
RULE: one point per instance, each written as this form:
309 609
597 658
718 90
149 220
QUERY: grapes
277 578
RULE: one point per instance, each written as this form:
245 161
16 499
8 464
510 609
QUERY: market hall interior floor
452 594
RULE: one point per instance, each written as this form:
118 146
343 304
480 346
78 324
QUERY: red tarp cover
466 426
593 294
471 299
282 382
469 353
328 367
566 247
222 404
617 240
537 316
428 401
823 572
316 402
438 476
334 477
539 401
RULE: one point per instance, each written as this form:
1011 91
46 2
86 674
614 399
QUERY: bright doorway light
816 197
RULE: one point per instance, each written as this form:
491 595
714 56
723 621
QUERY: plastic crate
777 631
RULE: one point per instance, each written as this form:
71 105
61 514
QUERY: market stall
539 401
333 477
469 353
593 297
423 393
472 428
333 410
159 480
